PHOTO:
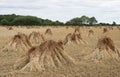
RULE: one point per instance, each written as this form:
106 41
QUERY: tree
1 17
4 22
47 22
103 24
58 23
114 23
74 21
84 20
92 21
26 20
13 19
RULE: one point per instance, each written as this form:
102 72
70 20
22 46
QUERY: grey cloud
103 10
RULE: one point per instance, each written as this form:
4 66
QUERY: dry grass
90 33
105 50
19 42
48 31
36 38
48 54
83 68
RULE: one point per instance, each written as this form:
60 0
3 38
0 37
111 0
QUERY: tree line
14 19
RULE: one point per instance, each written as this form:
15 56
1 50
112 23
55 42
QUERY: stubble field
79 52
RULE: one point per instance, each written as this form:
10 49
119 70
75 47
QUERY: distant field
84 67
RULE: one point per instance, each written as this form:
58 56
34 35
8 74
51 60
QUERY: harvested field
62 52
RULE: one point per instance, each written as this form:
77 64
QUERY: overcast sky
64 10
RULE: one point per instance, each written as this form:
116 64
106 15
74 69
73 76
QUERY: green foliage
114 23
56 23
74 21
47 22
14 19
26 20
83 20
92 21
104 24
4 22
1 17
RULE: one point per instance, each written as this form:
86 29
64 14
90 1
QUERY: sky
63 10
